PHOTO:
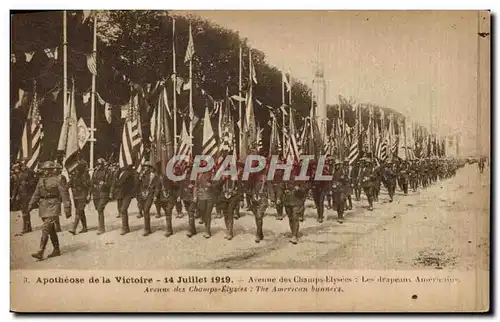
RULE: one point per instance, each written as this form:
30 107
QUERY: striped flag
162 147
394 147
209 146
31 140
190 47
383 149
293 147
354 149
92 64
226 129
253 74
185 144
131 136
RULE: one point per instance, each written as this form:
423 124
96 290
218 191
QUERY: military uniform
277 193
24 188
49 193
80 187
205 201
367 181
148 191
139 197
348 184
229 194
188 199
356 180
124 189
260 190
319 191
295 193
101 183
390 177
403 174
168 194
413 176
339 183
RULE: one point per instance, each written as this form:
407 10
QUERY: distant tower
319 91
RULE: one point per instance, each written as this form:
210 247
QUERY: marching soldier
228 199
139 198
413 175
204 199
57 171
188 198
403 176
124 190
390 177
101 182
319 190
168 194
338 184
149 189
348 184
259 202
295 193
49 193
80 187
356 180
24 187
366 178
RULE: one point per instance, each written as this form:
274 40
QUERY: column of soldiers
48 189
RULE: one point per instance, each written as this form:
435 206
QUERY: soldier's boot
295 231
340 213
168 228
178 208
158 210
75 225
100 216
55 244
229 221
43 243
147 225
26 224
237 212
350 202
249 201
192 227
141 213
370 203
208 222
259 235
279 210
58 225
84 224
125 227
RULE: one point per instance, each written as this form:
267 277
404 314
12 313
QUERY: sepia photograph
250 161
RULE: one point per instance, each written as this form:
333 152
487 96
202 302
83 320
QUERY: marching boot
58 225
168 229
43 243
125 227
27 224
295 231
237 212
84 224
55 244
75 225
350 202
101 230
259 235
147 225
229 220
158 211
192 227
208 223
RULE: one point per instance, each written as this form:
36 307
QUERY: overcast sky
419 63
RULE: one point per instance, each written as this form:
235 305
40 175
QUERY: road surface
445 225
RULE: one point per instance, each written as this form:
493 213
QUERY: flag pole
174 83
283 111
65 66
240 111
92 102
191 112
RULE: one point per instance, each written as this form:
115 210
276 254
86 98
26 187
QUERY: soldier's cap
101 161
48 165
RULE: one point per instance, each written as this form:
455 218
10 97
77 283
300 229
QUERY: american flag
190 47
383 150
209 146
354 149
226 129
131 136
32 135
185 146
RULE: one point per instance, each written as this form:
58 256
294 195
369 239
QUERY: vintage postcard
250 161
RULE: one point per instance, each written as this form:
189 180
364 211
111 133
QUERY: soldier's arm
35 198
64 193
88 184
